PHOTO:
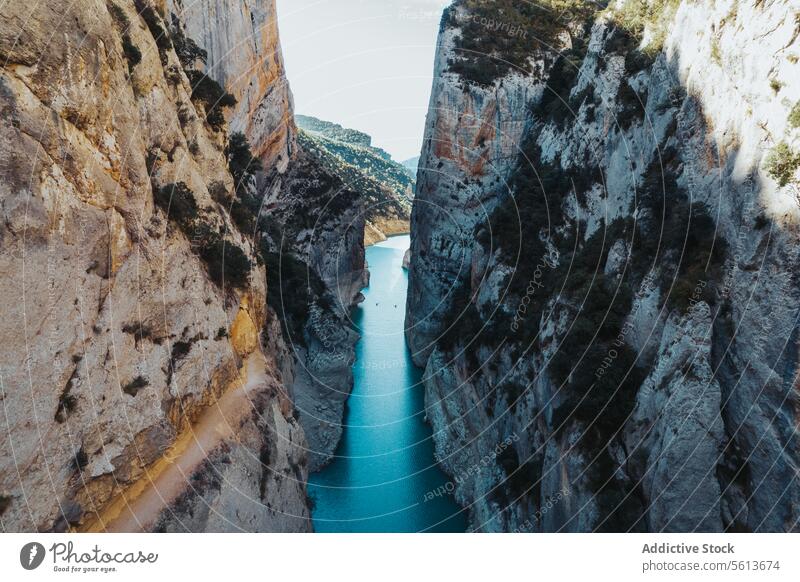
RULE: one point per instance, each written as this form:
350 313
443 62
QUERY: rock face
244 54
471 144
120 329
604 249
386 186
314 233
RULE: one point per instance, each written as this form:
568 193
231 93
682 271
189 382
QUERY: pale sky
365 64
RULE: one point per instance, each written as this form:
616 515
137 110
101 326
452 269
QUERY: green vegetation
292 288
596 372
140 332
556 104
241 162
677 235
204 89
211 94
243 166
631 105
5 503
499 37
782 163
655 15
716 54
80 459
376 169
794 116
178 202
156 27
186 48
334 131
132 388
225 262
132 53
67 402
349 182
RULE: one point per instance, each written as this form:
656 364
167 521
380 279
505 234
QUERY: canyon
602 299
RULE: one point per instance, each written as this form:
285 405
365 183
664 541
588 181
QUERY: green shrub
119 16
80 459
677 236
207 91
67 403
622 41
501 36
781 163
186 48
716 54
656 15
556 104
156 27
794 116
178 202
138 330
760 222
225 261
292 287
131 52
631 105
132 388
242 164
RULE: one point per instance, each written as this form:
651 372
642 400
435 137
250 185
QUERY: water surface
383 475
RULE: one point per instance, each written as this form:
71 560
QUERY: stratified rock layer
707 436
116 339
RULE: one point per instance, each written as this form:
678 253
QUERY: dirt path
139 507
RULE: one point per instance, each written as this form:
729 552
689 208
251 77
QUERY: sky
365 64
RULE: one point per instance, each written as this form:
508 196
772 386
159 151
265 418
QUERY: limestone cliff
320 245
244 54
131 298
313 242
385 186
603 266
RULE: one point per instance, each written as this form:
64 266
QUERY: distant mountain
354 147
386 185
411 165
333 131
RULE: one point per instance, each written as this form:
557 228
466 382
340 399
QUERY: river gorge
383 476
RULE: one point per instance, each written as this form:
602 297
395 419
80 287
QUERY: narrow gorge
576 311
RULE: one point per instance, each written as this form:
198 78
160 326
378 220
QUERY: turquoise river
383 475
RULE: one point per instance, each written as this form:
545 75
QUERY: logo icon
31 555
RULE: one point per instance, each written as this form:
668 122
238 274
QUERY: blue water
383 474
